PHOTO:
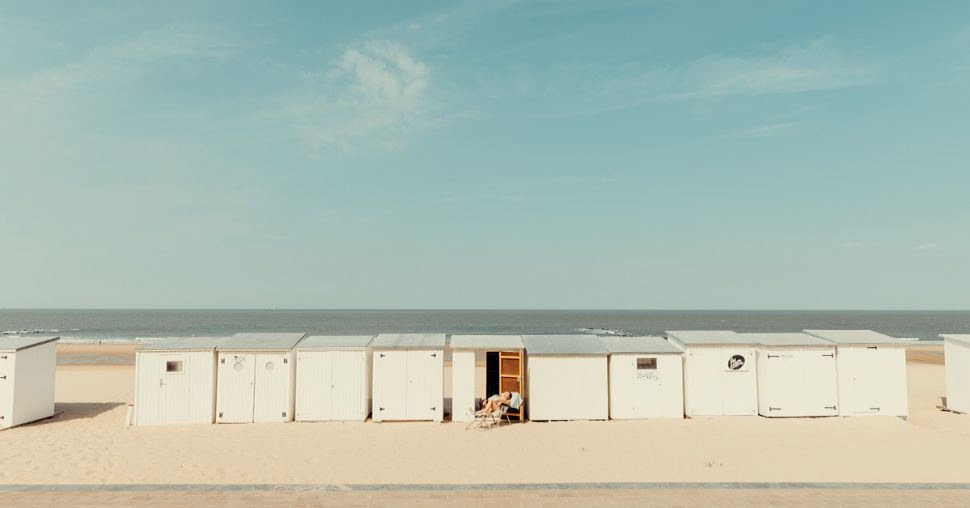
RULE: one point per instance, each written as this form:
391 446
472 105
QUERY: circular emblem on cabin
270 365
238 366
735 362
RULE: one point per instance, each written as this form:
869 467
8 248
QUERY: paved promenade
570 495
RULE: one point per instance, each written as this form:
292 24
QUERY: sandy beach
87 443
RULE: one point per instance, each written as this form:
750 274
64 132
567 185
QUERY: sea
130 325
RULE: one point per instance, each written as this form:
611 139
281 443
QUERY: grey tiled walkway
417 496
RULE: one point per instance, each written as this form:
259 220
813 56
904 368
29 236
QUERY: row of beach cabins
282 377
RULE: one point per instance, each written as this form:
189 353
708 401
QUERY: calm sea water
129 324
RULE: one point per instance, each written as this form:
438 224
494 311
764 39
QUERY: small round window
270 365
238 366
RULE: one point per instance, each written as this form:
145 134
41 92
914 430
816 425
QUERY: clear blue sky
665 154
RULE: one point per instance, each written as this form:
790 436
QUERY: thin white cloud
853 245
815 66
928 246
125 59
374 94
764 131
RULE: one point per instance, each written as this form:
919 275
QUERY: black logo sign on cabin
735 362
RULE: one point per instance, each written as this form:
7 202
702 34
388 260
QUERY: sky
539 155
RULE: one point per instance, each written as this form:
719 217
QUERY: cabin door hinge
434 355
875 409
3 377
872 347
772 356
830 355
774 409
382 355
284 414
286 360
220 415
4 357
829 407
434 408
222 361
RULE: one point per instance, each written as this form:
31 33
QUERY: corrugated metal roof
409 340
708 337
487 342
14 343
335 341
646 345
182 343
261 341
561 345
963 338
786 339
855 337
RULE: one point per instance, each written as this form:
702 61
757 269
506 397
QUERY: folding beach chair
494 419
486 421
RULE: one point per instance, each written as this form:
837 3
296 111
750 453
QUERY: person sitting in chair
499 402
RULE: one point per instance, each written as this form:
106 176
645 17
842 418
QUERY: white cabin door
646 391
820 381
173 388
348 385
237 378
148 385
390 385
314 377
866 380
740 384
783 383
424 384
272 399
704 395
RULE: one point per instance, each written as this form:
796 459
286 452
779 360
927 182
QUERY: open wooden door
510 374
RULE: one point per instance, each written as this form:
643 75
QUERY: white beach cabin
408 377
26 379
175 381
872 372
568 378
502 369
956 351
333 378
720 378
797 375
257 378
646 378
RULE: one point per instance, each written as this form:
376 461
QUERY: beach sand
87 443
